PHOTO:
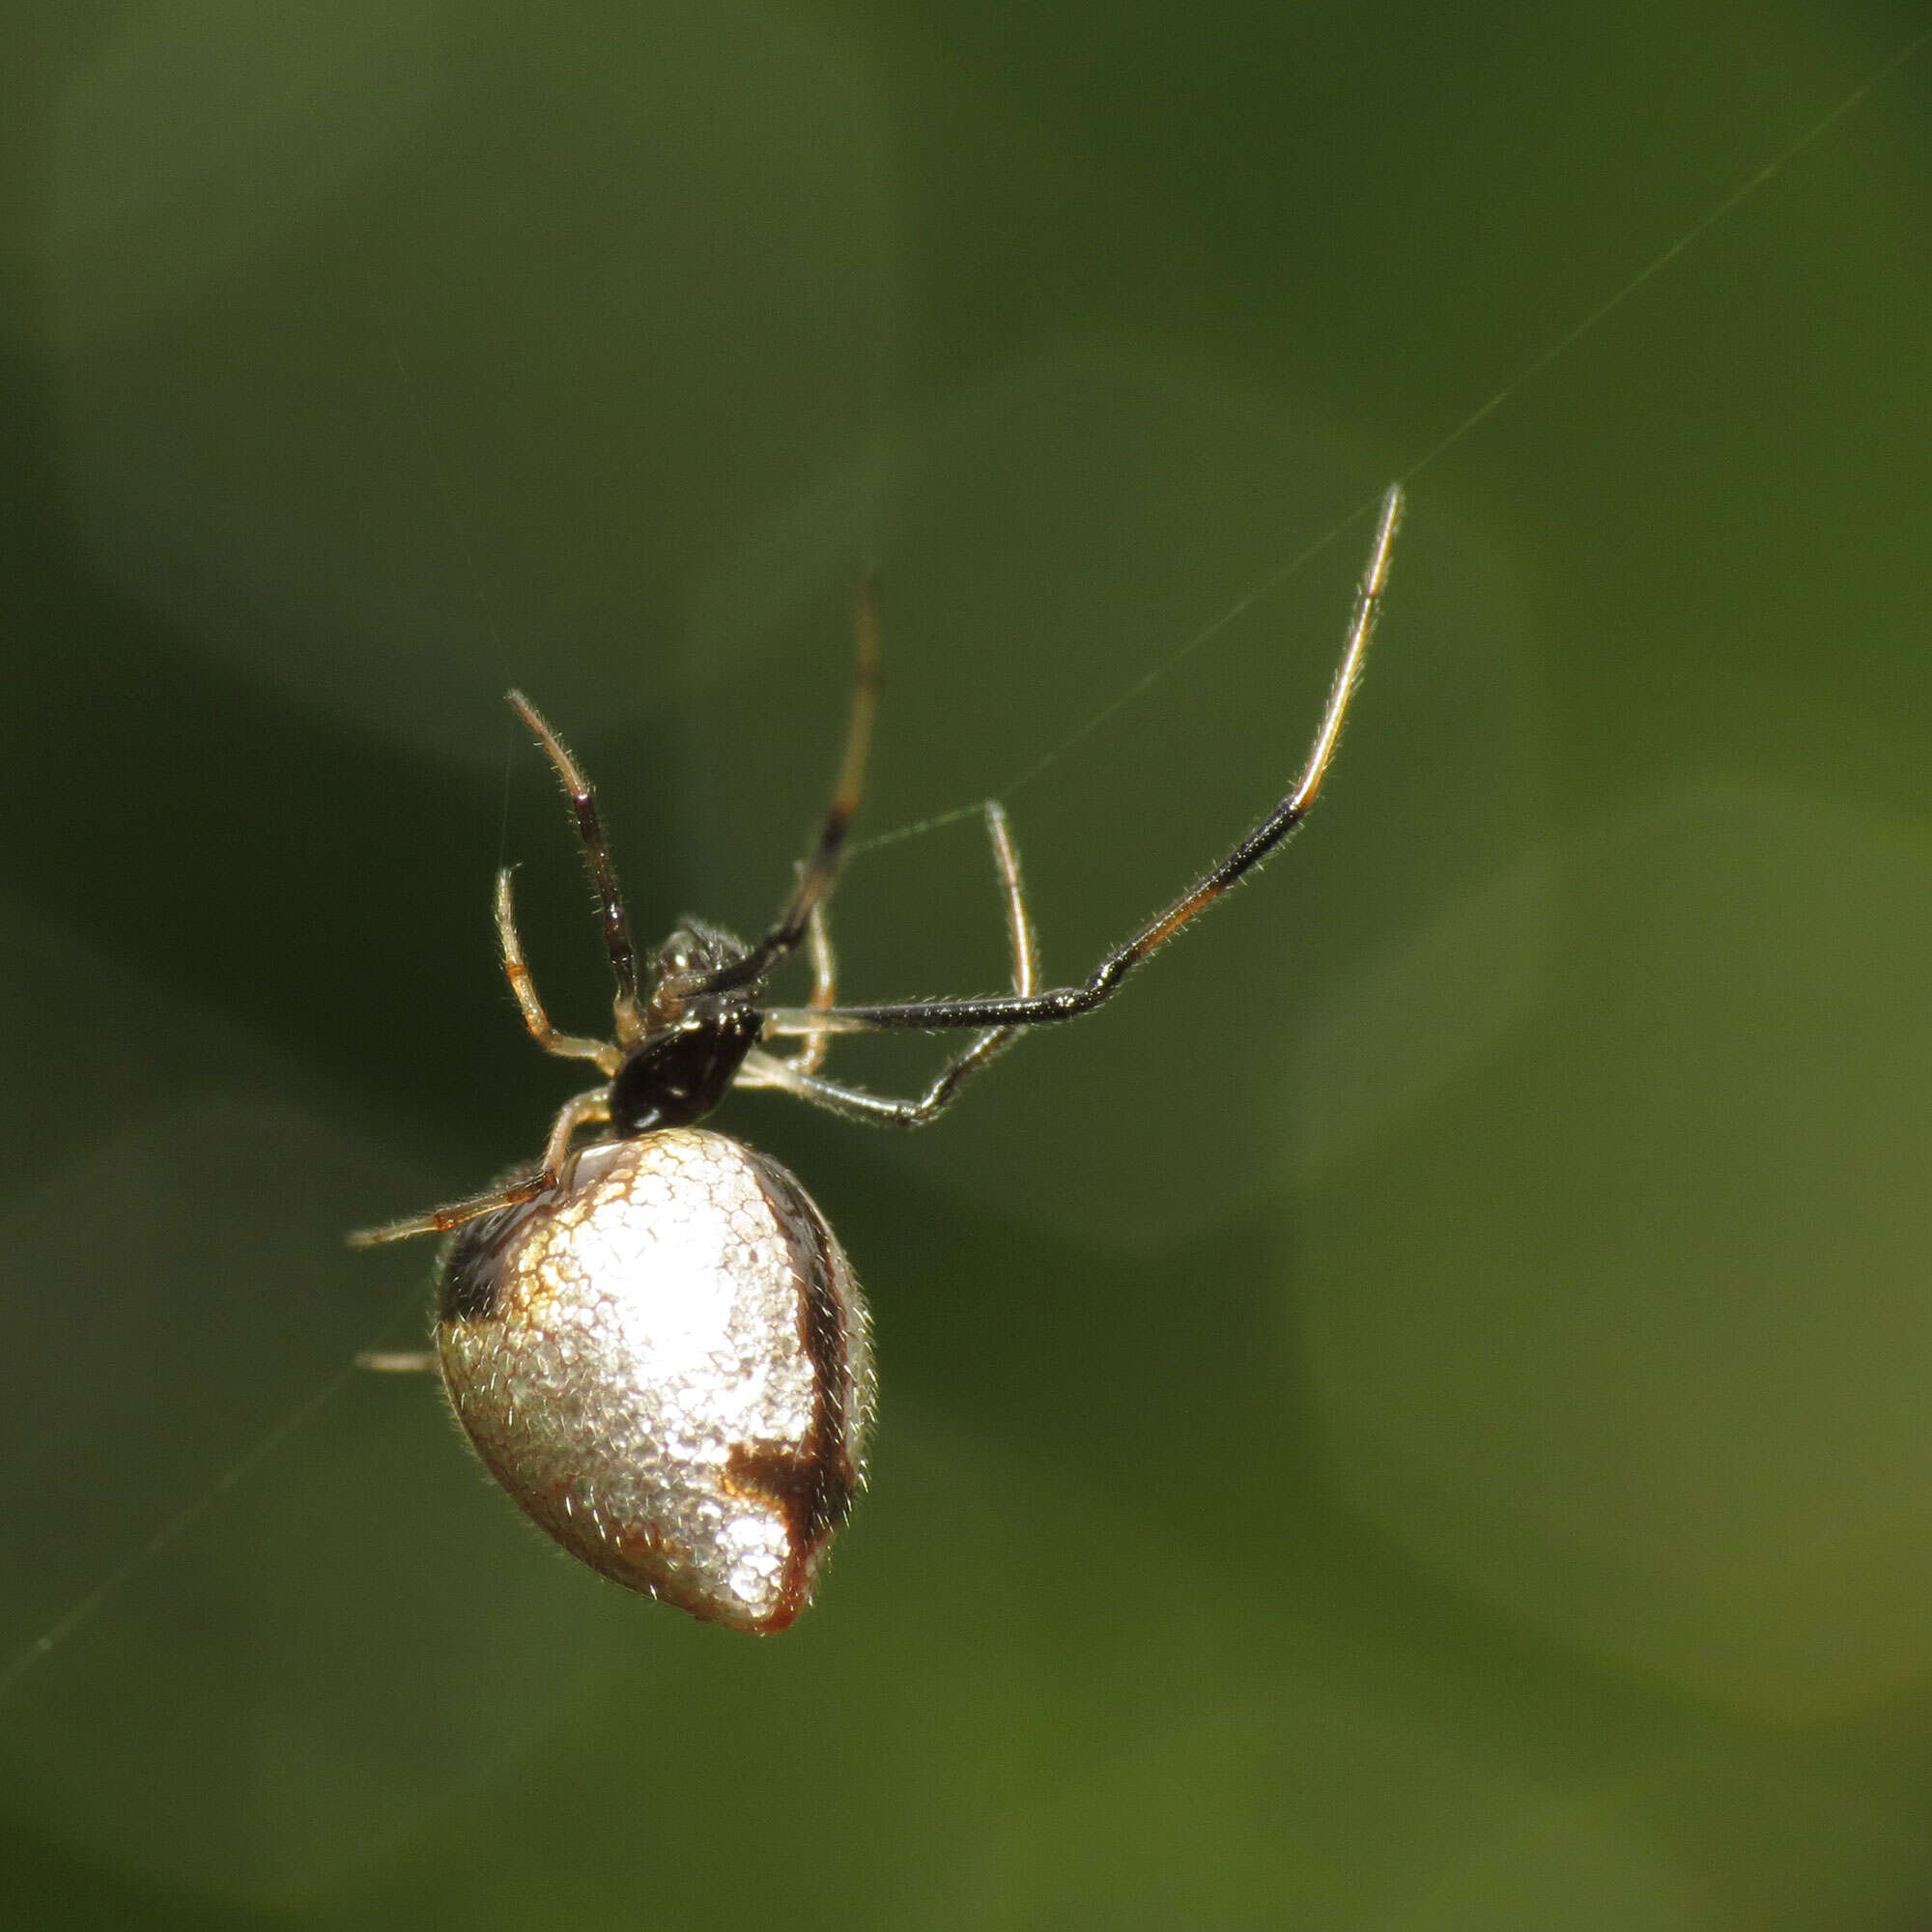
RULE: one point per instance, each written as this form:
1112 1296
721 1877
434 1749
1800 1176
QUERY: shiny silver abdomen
667 1362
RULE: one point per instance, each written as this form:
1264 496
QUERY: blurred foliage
1415 1417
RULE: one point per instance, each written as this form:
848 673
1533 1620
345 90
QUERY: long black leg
1066 1003
603 874
821 867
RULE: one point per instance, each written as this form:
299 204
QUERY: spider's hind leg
595 1105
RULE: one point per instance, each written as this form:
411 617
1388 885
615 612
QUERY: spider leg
818 871
824 989
881 1110
595 1105
564 1045
603 875
441 1220
1066 1003
576 1112
1019 925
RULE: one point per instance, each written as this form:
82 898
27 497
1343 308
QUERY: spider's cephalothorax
695 1042
652 1337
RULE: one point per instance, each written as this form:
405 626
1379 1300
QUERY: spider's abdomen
666 1361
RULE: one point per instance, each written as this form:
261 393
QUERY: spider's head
694 949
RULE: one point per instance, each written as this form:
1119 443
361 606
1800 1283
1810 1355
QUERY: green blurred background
1416 1417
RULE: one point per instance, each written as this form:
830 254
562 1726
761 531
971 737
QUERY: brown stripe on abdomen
811 1486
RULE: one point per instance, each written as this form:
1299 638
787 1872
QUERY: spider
652 1337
